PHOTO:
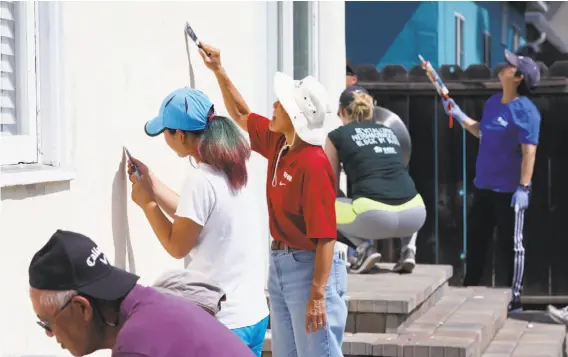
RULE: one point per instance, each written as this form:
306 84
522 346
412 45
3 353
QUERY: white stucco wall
121 59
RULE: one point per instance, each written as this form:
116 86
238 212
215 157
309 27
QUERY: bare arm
323 263
465 121
177 238
472 126
166 197
234 102
527 165
333 158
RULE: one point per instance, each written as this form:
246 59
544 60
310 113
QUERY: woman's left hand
142 193
316 317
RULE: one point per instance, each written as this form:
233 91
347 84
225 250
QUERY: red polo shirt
302 204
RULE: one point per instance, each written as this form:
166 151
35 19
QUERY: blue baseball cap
525 65
346 97
184 109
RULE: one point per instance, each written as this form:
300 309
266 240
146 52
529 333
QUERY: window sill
22 175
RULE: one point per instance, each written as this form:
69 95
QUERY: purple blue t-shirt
502 130
161 325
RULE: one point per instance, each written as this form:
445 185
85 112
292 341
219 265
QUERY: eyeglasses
45 323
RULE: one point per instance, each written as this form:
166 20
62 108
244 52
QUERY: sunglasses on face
45 323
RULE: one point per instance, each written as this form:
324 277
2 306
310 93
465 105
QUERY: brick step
528 334
461 324
385 302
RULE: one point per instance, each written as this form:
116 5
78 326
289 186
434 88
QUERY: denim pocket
340 271
304 256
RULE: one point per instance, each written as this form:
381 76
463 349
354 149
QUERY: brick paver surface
395 293
528 334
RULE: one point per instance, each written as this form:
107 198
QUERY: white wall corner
332 52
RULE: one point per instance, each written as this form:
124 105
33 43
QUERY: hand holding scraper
131 163
437 82
189 31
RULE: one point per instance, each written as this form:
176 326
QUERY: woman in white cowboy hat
307 278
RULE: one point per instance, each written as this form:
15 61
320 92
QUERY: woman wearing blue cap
211 219
384 202
508 136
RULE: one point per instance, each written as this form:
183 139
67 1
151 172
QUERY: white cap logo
96 253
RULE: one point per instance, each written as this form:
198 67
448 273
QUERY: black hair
222 146
522 89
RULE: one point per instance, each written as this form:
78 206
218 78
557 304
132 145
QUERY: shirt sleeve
527 120
261 138
196 199
129 354
318 199
334 138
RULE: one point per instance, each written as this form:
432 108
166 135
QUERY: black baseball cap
346 97
527 66
349 69
72 261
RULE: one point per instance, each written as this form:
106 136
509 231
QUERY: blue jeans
289 283
253 336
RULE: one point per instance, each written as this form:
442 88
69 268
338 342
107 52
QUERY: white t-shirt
230 248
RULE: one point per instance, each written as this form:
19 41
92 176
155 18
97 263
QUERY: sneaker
558 315
406 263
515 307
364 259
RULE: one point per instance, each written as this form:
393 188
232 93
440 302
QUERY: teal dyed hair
222 146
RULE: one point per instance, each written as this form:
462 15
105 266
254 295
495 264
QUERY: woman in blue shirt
508 136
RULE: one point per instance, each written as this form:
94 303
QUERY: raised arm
465 121
234 102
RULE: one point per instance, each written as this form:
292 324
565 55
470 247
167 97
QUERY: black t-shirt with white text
371 156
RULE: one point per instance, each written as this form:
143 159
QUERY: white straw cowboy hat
306 103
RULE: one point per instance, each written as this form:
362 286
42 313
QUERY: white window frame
281 42
504 23
23 148
286 37
487 48
52 134
459 30
516 38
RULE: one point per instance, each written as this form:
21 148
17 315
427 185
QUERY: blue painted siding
396 32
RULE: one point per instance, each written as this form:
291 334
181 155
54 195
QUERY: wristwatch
524 187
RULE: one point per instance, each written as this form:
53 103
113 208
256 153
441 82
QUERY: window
297 38
459 39
516 38
304 38
504 23
486 45
18 124
33 137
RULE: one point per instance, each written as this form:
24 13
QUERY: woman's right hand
213 62
451 108
143 171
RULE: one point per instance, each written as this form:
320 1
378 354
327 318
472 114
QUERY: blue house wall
392 32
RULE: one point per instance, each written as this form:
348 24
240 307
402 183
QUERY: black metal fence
443 167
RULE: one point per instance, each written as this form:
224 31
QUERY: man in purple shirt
89 305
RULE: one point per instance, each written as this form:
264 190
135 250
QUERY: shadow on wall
120 229
29 191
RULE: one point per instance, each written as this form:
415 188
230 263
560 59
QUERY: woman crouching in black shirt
384 202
